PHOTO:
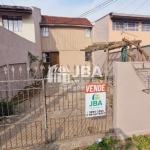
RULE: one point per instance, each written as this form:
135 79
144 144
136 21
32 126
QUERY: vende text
93 88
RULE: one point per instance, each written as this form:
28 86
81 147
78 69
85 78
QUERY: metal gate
34 112
65 111
21 113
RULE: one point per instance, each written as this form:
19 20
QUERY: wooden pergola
115 45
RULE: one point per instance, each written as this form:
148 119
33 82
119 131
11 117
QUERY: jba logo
96 100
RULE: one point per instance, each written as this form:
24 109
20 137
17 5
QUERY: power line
97 7
127 5
12 2
105 4
56 32
140 6
131 5
2 2
94 11
133 11
137 9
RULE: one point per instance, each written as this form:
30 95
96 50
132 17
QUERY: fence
21 118
45 112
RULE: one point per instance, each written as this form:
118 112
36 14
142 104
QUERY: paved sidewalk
68 144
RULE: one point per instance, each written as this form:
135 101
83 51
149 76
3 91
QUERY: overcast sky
74 8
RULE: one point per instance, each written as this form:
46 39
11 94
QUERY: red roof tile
65 21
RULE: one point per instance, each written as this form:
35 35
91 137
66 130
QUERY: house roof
53 20
123 16
129 16
19 9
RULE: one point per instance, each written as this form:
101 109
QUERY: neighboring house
62 39
116 26
24 22
58 40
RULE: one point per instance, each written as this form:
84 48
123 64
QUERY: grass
141 142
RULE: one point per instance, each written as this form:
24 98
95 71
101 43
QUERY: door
54 58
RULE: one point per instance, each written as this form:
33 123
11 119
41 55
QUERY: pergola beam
137 45
131 56
110 45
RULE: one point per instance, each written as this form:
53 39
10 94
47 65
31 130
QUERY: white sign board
95 100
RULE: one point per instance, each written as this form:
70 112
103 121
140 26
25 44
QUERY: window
145 26
46 57
45 31
87 56
87 32
125 25
118 25
12 23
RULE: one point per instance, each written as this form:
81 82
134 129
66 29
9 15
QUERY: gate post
45 112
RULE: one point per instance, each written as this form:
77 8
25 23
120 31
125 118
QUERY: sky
74 8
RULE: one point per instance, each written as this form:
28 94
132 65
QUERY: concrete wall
14 49
101 30
131 104
14 53
37 19
15 45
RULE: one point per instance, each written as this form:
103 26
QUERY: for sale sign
95 100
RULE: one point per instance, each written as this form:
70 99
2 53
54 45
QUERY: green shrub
108 144
129 144
93 147
142 142
6 108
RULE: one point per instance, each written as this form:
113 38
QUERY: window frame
125 25
88 58
46 57
45 32
12 23
89 29
144 27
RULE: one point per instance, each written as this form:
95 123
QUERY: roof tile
65 21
